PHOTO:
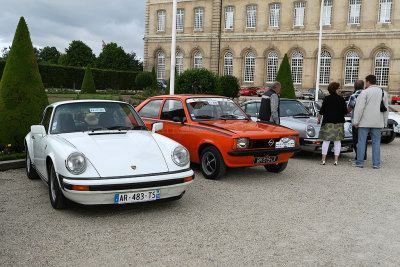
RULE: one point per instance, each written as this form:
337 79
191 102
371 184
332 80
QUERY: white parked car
395 117
101 152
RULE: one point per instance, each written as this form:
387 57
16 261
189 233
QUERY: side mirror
38 129
157 126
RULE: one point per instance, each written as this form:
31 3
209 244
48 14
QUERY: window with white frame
251 16
327 13
297 67
161 20
228 63
249 65
179 63
180 15
272 66
229 11
299 13
274 14
325 68
382 60
354 11
198 18
161 65
351 68
198 60
385 11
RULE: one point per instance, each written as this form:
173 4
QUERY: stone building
248 39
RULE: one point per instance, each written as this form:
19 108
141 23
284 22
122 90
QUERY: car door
173 116
39 143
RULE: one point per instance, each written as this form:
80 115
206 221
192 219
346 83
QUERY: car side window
46 118
173 111
251 109
151 109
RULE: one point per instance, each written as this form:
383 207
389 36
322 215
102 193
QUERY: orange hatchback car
219 134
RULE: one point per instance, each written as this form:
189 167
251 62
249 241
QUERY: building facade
248 39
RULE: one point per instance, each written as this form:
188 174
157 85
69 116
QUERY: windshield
292 108
95 116
214 108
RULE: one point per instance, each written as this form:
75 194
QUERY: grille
263 143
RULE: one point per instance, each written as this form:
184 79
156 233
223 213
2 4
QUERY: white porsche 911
101 152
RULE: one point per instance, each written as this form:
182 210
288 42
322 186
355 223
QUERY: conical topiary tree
22 94
284 76
88 82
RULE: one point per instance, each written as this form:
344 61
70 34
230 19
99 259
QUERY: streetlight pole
319 50
173 50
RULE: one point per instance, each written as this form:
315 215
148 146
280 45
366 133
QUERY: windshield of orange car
214 108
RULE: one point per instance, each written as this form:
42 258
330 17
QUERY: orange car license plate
266 159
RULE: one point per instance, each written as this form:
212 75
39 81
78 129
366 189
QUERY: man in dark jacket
269 109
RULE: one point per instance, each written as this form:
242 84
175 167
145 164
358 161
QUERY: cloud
58 23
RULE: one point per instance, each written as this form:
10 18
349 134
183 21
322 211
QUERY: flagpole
173 50
319 50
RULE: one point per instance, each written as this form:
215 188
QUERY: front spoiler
263 152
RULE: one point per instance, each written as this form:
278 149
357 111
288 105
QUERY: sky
59 22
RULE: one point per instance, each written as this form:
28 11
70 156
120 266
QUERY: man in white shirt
369 119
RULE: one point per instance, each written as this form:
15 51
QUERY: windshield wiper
119 127
204 117
302 114
230 116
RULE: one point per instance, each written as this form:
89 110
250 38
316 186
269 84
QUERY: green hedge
58 76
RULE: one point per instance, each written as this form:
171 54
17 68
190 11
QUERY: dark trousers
355 141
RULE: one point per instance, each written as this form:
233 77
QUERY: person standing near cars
358 87
269 108
369 119
332 113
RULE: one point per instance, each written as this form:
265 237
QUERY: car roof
259 100
55 104
186 96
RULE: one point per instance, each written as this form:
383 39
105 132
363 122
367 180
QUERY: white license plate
137 197
267 159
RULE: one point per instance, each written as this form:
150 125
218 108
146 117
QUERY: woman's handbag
383 107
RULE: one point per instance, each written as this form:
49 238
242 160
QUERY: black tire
388 139
30 171
57 199
211 163
278 167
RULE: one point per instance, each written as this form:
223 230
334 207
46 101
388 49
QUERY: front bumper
315 145
263 152
103 190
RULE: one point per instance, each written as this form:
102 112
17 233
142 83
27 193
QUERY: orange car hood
249 128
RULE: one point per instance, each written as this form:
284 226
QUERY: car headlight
350 128
76 163
180 156
310 131
242 143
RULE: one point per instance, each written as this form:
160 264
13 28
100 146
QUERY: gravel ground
307 215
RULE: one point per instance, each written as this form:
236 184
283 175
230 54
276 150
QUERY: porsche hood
120 154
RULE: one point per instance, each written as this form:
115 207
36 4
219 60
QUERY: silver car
294 115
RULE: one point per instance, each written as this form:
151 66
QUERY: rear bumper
315 145
103 190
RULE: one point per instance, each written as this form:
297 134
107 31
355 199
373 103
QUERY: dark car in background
321 94
345 94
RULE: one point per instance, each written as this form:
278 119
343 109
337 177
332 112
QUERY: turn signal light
317 143
187 179
80 187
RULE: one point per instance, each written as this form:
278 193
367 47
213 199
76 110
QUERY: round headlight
310 131
76 163
180 156
242 143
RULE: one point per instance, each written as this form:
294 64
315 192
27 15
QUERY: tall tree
4 52
284 76
114 57
78 54
22 95
137 63
49 55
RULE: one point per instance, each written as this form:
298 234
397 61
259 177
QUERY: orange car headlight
241 143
